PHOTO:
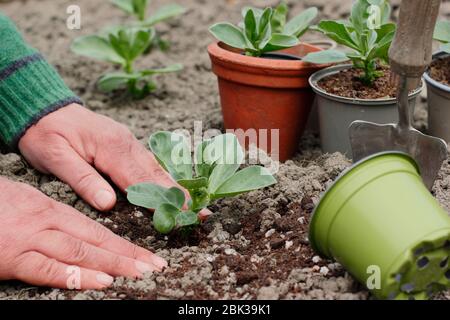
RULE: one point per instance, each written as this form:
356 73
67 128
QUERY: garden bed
255 246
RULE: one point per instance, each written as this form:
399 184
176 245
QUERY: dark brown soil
275 263
347 84
440 70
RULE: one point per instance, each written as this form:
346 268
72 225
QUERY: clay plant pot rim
261 65
431 81
319 75
338 180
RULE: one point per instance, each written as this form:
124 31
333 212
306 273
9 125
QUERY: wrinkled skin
41 238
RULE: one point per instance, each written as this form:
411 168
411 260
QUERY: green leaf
151 196
191 184
385 8
385 29
326 57
114 81
121 44
186 218
140 8
264 22
141 40
173 68
203 168
258 12
381 49
228 156
338 32
250 26
359 15
200 199
248 179
96 47
164 13
300 24
125 5
164 218
279 42
228 34
279 17
173 153
442 31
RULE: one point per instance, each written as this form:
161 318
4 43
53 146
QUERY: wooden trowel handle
411 50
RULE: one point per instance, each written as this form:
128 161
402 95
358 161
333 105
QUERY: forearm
29 87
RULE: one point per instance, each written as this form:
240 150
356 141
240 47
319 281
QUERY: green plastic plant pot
379 218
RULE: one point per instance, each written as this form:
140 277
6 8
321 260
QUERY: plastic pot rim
319 75
429 80
314 215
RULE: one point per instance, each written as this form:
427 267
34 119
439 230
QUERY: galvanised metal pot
337 113
438 105
382 224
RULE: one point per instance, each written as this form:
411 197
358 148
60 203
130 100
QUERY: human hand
72 143
40 239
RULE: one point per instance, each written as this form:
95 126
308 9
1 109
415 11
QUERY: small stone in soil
277 243
245 277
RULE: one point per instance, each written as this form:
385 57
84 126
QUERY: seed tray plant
216 175
368 39
442 34
264 30
123 47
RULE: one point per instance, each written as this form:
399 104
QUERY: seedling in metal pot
264 31
367 33
139 8
442 34
122 46
215 175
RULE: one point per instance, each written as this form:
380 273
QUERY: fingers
83 178
132 163
72 251
71 222
37 269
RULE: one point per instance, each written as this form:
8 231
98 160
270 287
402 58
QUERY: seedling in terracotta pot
216 176
122 47
369 45
261 90
264 31
138 9
442 34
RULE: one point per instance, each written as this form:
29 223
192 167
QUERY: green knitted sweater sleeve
29 87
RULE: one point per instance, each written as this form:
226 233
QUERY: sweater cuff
29 89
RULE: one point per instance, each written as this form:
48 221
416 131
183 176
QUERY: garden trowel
410 54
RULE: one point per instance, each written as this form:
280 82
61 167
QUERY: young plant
122 46
264 31
138 9
367 33
442 34
216 176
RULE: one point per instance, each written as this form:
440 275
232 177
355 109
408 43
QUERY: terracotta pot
265 94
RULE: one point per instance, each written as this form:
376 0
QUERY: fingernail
159 262
104 279
144 267
103 199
